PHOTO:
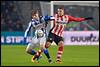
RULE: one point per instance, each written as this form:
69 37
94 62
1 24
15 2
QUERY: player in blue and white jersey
39 39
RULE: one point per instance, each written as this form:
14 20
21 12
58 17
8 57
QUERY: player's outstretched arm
71 18
47 18
75 19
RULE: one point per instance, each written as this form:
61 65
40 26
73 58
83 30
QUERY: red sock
60 51
47 45
38 52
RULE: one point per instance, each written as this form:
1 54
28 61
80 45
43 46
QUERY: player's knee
47 45
28 50
61 43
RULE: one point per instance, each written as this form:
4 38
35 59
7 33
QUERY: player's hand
89 18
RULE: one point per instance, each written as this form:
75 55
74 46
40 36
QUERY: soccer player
39 38
38 23
56 33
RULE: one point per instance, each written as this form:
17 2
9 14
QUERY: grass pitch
15 55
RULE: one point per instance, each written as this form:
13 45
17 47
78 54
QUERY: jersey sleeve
52 17
28 29
71 18
47 18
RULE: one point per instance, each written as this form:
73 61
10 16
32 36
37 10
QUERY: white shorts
36 42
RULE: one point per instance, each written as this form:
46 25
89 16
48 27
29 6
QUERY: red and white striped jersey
59 28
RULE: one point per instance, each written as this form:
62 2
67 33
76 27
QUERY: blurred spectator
3 25
10 25
10 30
10 20
14 14
19 26
10 9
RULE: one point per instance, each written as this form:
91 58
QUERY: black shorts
53 37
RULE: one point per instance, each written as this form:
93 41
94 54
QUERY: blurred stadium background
15 16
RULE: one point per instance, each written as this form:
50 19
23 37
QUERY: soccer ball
40 33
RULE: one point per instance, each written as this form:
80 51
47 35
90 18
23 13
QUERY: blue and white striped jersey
38 24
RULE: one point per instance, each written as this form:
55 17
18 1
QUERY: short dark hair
34 12
61 7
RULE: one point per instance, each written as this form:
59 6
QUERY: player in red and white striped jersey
56 33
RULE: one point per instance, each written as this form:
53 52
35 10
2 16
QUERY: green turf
72 56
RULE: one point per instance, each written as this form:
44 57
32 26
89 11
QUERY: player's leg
60 43
32 45
46 52
30 50
47 45
37 55
60 51
44 47
42 42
